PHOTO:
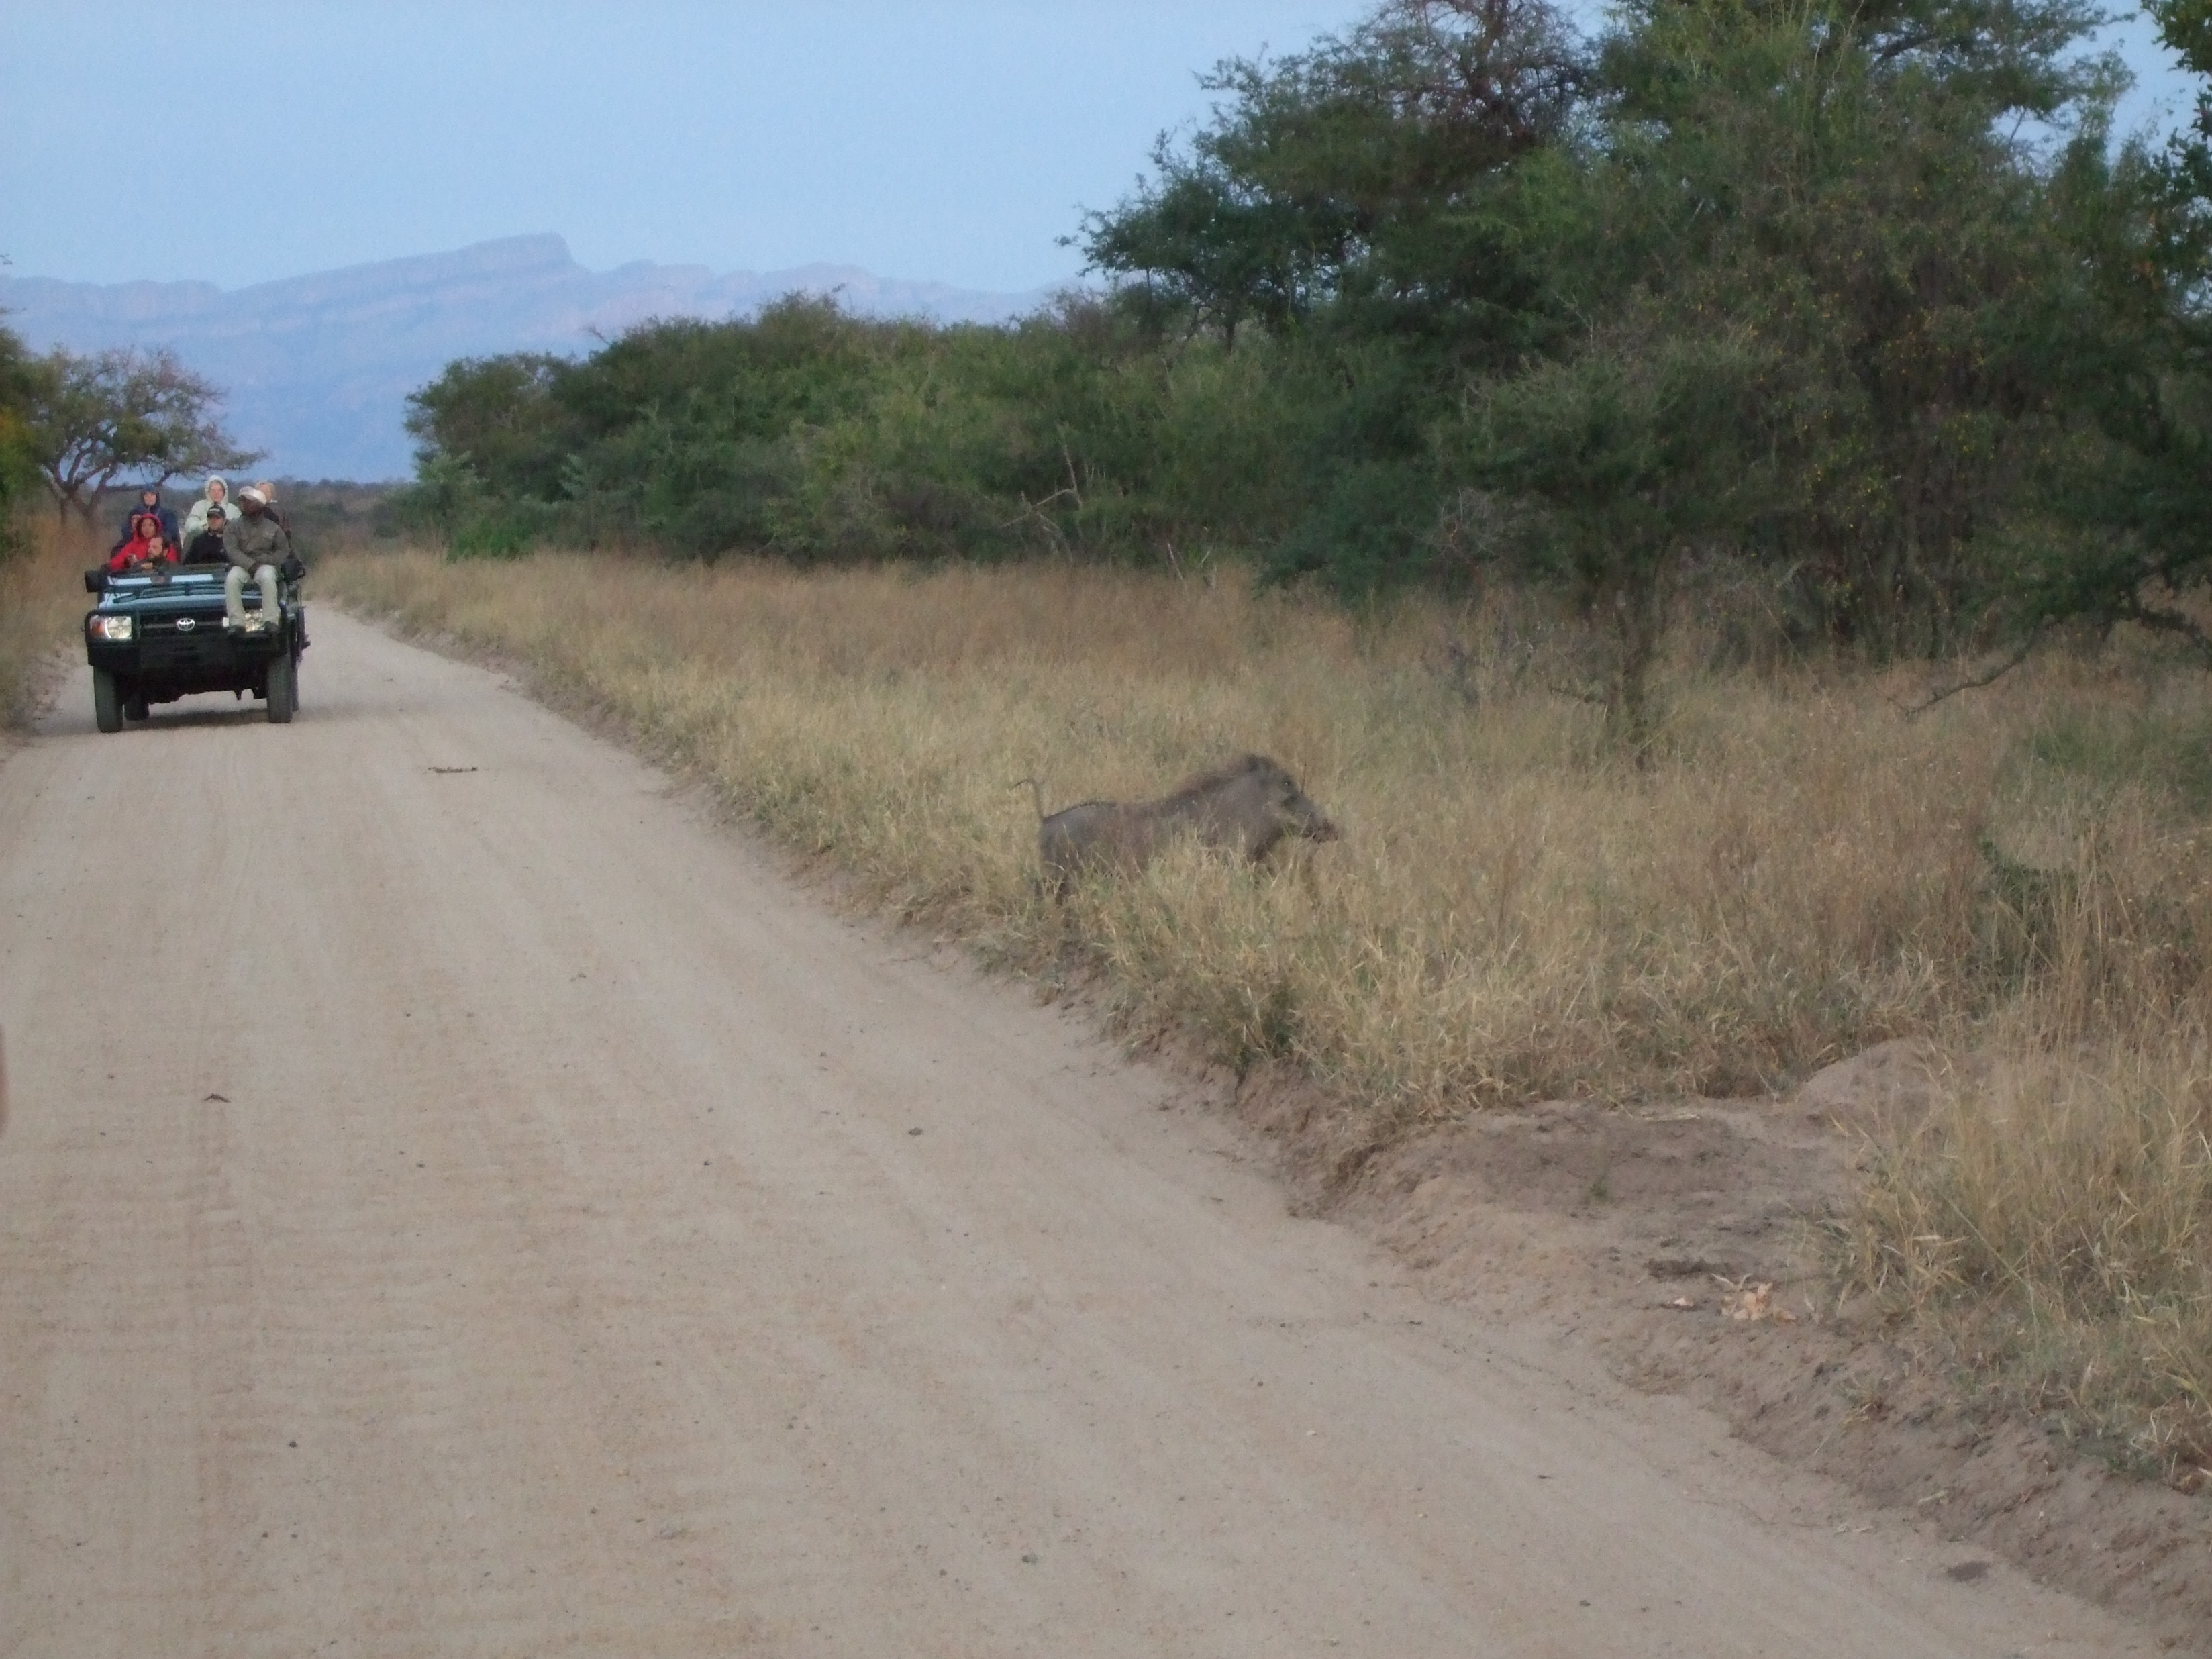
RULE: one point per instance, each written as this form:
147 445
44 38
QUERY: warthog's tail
1037 793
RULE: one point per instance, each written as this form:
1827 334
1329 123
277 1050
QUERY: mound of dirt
1880 1084
1682 1242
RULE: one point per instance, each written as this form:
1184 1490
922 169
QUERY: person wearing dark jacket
204 546
148 503
255 545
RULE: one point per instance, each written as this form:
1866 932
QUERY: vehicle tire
284 690
136 708
106 701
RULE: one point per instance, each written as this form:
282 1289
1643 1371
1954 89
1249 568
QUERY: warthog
1250 803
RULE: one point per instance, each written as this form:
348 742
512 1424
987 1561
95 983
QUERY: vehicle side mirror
95 582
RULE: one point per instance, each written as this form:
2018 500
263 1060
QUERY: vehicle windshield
173 577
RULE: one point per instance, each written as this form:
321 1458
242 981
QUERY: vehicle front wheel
284 690
106 701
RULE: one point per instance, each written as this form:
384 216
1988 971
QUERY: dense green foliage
820 436
18 471
1861 301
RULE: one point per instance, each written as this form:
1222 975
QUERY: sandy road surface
488 1211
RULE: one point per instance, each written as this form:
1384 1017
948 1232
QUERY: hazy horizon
316 369
10 273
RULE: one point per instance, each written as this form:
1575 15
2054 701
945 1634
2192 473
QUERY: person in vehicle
205 546
149 549
134 527
255 546
269 494
148 502
216 501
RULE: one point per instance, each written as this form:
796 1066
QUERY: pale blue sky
942 140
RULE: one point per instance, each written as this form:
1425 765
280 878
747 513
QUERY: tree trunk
1636 618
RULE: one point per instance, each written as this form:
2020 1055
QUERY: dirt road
460 1201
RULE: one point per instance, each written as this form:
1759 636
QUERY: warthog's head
1295 810
1254 803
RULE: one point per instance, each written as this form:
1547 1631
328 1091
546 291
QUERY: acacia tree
2186 26
1805 242
93 420
2134 492
1361 169
1653 440
1363 208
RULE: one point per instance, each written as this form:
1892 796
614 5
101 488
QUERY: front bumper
171 654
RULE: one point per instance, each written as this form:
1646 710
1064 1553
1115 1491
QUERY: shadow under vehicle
156 637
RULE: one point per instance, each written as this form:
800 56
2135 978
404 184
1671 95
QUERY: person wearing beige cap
256 545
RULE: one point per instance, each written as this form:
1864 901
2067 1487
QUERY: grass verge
41 597
1798 872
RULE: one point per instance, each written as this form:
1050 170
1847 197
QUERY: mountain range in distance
316 369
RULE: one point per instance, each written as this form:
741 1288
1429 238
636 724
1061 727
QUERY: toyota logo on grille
186 624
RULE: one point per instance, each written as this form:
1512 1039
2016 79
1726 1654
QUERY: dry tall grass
41 597
1513 915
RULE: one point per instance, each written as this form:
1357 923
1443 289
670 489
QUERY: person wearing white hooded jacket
216 500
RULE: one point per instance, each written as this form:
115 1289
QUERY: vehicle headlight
115 628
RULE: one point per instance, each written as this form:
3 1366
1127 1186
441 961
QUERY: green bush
503 530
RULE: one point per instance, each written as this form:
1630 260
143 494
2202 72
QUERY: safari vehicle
157 636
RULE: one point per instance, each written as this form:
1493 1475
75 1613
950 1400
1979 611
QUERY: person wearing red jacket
149 501
148 549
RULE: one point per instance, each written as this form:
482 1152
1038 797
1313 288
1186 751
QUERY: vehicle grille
206 623
164 643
